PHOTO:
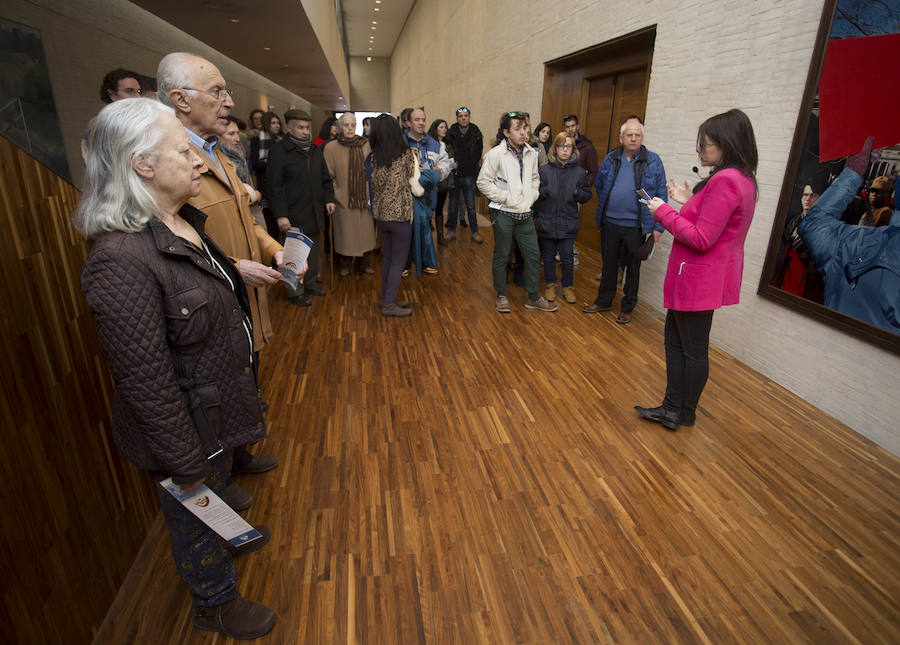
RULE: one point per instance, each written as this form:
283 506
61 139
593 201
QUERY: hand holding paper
296 251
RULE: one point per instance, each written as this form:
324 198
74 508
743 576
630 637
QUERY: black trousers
687 357
618 245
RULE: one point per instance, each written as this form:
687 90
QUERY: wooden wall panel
74 512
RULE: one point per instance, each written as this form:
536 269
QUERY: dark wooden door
610 100
603 86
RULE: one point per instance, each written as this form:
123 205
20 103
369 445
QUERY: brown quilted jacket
173 333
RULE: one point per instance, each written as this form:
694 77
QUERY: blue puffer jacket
649 174
861 263
563 187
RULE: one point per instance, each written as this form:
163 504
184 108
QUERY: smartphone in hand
644 198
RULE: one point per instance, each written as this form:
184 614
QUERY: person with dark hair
467 143
256 121
232 140
861 263
260 145
438 132
797 272
587 153
624 222
120 84
391 166
544 134
509 179
707 258
367 126
563 187
403 119
302 193
327 132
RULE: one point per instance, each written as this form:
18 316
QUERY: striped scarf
356 183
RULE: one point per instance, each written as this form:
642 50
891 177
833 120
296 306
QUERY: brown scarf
357 180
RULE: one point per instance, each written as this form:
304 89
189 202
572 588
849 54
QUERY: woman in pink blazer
707 258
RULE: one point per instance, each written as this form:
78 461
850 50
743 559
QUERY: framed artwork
854 57
28 114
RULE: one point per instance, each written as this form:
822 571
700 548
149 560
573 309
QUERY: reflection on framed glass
27 110
846 99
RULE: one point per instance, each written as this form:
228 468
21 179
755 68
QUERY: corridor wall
84 39
708 57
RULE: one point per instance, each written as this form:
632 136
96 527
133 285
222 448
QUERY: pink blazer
707 259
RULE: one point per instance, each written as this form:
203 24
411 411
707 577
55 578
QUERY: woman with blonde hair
563 187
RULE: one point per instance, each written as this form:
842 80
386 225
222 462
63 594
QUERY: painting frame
853 326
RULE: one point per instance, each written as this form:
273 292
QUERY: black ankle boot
669 419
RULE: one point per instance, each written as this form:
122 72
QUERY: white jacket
500 182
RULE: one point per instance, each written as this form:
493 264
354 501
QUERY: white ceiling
358 18
274 38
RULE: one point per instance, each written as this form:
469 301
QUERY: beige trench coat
354 228
231 225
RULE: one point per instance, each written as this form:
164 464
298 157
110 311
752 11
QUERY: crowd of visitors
179 272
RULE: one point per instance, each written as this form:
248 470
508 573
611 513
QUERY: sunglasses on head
518 115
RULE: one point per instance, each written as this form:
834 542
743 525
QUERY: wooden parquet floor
463 477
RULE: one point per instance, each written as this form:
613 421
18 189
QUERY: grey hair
341 118
115 197
173 74
622 129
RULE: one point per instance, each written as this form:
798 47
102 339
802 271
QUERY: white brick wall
709 56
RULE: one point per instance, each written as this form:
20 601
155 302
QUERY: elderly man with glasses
196 90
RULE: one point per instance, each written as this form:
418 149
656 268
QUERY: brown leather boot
239 618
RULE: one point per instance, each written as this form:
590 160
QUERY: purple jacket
707 259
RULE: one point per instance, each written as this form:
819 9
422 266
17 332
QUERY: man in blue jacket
622 219
861 263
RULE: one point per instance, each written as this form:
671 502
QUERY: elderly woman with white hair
354 227
173 318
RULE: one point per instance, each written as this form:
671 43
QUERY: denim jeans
465 186
566 247
687 357
201 557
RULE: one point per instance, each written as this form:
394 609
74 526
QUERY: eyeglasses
518 115
219 94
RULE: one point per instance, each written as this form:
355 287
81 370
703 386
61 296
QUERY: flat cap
296 115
